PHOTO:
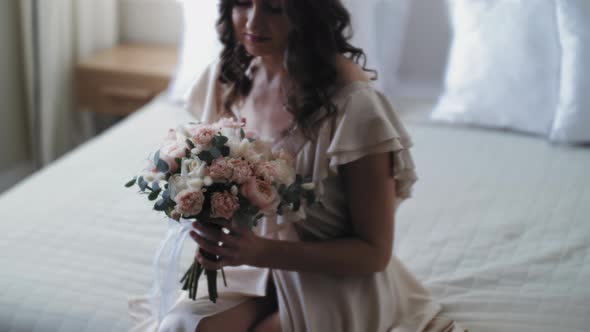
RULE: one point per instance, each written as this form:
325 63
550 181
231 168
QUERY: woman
288 71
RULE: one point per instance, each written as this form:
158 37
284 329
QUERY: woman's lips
256 38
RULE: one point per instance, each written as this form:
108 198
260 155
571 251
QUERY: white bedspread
498 229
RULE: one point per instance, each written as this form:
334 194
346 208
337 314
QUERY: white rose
208 181
176 184
308 186
285 173
195 184
194 168
263 147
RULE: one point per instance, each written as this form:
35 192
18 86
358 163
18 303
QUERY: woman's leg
272 323
240 318
243 317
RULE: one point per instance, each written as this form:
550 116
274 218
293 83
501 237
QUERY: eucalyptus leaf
163 166
190 143
157 157
142 183
156 186
154 195
160 205
242 133
131 183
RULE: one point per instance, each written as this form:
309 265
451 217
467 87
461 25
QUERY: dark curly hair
319 30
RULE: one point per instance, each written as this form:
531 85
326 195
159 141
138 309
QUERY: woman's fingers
209 246
209 231
209 264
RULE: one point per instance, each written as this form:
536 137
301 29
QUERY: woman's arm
371 193
370 190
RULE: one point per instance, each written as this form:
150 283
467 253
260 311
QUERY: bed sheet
497 229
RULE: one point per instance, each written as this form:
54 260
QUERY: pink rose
241 170
261 194
172 149
220 169
204 135
189 203
231 123
224 205
266 170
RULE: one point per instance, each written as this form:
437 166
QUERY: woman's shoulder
206 94
350 71
353 82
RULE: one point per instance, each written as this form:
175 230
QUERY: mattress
497 230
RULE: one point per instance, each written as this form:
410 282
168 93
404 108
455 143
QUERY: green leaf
156 186
160 205
298 179
163 166
310 197
142 183
178 161
282 188
206 157
219 141
131 183
157 157
154 195
242 133
166 194
296 205
225 151
190 143
215 152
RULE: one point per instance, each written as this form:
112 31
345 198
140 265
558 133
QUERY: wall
13 134
424 51
151 21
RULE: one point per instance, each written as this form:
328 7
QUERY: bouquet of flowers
207 171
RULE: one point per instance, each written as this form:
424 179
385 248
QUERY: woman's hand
239 247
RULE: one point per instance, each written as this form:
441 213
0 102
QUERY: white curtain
379 28
56 34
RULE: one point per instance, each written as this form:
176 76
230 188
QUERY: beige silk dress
392 300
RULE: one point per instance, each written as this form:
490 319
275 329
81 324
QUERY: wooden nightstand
120 80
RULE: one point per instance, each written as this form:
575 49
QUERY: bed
498 229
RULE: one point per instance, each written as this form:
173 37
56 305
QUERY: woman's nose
254 18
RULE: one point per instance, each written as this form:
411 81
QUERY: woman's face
261 26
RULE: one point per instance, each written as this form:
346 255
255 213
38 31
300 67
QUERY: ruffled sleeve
367 124
204 100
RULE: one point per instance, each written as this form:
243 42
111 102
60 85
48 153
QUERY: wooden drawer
123 79
116 93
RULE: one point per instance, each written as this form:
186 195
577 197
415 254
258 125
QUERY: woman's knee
270 323
176 321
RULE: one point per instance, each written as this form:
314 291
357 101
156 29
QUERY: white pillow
572 121
504 65
200 46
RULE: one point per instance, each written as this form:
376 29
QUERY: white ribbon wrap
166 285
